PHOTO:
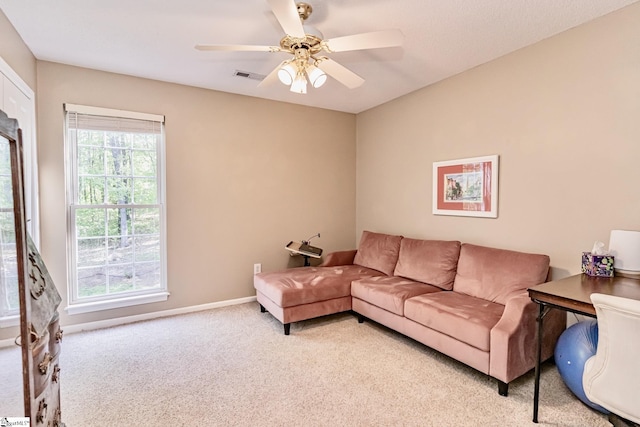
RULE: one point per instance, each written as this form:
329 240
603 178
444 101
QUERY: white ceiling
155 39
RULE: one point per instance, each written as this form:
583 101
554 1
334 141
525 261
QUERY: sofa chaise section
298 294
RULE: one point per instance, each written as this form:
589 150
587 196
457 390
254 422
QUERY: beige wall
564 116
16 53
244 176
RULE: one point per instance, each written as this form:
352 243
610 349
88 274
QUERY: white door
18 102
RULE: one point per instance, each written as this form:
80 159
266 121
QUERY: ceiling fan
306 44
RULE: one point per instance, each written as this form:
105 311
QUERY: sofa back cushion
428 261
378 251
495 274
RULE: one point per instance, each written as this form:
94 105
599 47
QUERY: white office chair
611 377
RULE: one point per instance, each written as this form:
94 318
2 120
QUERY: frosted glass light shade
624 245
317 77
287 73
299 84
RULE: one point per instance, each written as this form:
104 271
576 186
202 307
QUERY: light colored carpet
234 367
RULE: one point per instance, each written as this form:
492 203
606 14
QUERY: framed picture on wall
466 187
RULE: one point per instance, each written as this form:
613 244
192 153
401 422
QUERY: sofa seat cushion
496 274
463 317
428 261
306 285
389 292
378 251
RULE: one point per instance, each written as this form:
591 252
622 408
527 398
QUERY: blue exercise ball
575 345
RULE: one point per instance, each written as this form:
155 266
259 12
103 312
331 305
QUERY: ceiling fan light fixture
306 43
299 84
317 77
287 73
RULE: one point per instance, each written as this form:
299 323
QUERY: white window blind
92 118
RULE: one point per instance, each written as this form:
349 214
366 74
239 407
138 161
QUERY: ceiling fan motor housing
312 40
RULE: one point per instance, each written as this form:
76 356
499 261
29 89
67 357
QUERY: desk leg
536 391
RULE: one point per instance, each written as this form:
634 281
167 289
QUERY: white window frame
84 305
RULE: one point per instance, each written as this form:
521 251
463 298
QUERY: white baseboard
70 329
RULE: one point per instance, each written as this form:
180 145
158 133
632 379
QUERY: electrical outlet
257 268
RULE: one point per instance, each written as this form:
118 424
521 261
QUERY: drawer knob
43 366
42 412
56 374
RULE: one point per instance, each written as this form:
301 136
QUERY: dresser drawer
55 336
42 368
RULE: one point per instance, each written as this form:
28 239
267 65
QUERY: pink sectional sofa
469 302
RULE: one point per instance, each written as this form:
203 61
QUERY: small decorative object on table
598 262
597 265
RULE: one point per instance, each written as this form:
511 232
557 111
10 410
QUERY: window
9 299
116 210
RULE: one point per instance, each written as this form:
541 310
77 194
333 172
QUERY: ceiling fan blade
272 76
286 12
238 47
373 40
339 72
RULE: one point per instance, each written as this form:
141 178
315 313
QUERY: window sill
8 321
89 307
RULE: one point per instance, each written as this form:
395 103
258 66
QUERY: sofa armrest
513 338
339 258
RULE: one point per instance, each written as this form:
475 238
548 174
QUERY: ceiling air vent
249 75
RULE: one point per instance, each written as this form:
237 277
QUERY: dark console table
573 294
